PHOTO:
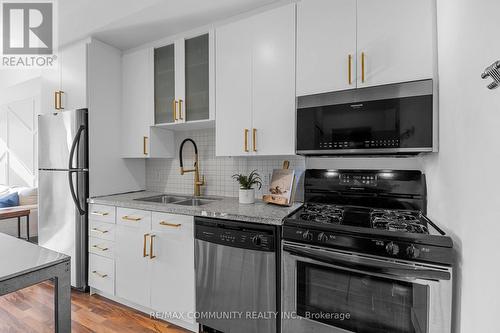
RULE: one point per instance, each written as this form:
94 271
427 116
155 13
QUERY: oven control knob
322 237
412 251
257 240
307 235
392 249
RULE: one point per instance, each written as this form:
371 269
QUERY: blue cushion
9 200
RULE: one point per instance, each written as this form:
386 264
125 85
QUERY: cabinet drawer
134 218
102 273
102 230
102 213
172 223
102 247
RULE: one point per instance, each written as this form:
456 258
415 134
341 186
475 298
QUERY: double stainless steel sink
179 200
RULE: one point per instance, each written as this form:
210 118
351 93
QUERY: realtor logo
27 28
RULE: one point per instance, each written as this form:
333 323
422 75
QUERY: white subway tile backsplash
162 175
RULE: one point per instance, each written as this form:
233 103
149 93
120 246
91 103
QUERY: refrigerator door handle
76 200
76 142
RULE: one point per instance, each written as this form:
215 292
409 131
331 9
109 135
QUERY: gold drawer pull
254 139
151 247
99 230
174 109
144 253
128 218
350 69
100 213
180 109
167 224
100 248
144 145
363 67
245 147
100 274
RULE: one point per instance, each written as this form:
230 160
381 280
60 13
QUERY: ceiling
129 23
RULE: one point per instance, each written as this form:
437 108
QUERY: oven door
333 291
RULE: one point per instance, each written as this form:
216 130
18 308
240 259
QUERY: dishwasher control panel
236 236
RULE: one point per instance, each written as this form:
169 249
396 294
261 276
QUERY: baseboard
189 326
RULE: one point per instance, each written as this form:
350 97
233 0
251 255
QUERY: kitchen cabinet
145 258
65 86
396 39
344 44
173 247
132 262
101 248
326 46
183 81
255 85
139 138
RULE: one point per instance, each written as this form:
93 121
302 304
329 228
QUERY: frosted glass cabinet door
165 84
197 78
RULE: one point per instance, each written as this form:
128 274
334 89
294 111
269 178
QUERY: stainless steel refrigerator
63 188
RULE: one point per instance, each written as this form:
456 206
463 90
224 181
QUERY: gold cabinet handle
100 213
60 100
174 109
350 69
100 274
180 109
254 139
100 248
363 67
144 253
151 246
167 224
99 230
56 100
133 219
245 147
144 145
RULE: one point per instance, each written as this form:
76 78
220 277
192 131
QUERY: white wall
462 179
19 108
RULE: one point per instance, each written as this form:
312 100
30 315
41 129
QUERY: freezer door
61 227
57 134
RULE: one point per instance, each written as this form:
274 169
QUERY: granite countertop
19 257
226 208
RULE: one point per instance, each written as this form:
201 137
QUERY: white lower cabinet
172 270
101 248
150 263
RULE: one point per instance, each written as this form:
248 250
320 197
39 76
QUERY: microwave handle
368 266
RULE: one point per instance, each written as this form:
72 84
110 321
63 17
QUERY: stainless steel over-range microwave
390 119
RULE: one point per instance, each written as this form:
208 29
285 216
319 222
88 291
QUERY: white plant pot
247 196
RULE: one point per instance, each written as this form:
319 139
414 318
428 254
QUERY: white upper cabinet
273 83
183 81
346 44
255 85
139 139
326 46
233 88
74 76
65 87
396 38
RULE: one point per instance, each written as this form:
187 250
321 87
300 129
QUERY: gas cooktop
382 219
378 212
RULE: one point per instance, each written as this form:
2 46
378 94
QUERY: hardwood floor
31 310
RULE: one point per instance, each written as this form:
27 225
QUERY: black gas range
378 212
361 247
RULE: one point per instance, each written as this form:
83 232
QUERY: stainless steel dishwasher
236 276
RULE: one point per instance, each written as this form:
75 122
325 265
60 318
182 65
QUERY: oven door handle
367 265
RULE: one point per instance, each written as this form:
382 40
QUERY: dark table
23 264
17 213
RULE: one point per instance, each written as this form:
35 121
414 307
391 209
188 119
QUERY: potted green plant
247 190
